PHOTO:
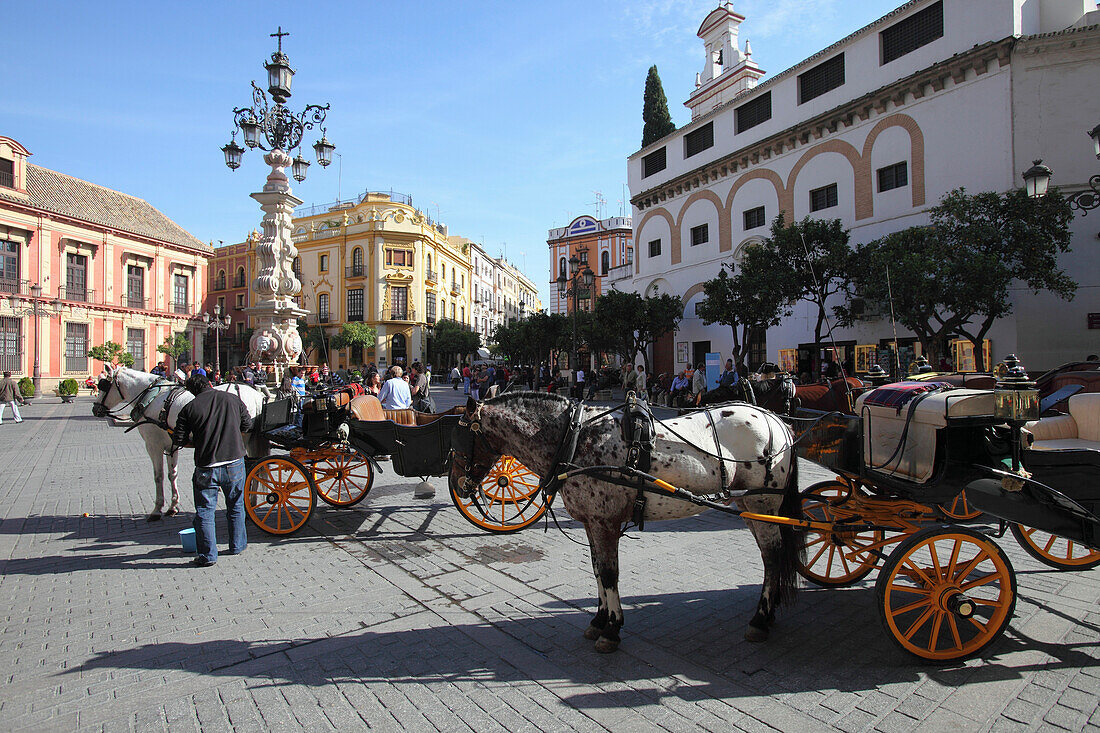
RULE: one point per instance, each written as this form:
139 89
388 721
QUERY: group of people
484 381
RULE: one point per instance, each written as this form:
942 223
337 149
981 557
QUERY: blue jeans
206 482
466 385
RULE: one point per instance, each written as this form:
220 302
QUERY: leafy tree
452 341
175 345
353 333
314 340
546 333
927 283
1005 237
657 121
111 353
628 323
808 260
510 341
744 302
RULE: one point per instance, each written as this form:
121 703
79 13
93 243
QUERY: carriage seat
367 407
1079 430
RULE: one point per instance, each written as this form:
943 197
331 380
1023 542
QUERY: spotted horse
734 454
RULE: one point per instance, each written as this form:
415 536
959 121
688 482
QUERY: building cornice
842 116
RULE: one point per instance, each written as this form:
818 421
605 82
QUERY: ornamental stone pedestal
275 339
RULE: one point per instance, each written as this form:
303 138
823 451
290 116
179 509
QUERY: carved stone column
275 340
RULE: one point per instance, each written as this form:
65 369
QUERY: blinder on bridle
464 440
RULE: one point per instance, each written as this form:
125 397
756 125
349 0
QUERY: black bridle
105 387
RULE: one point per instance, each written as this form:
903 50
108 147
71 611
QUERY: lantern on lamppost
1037 181
1016 401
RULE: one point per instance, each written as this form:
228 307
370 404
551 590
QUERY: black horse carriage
340 442
945 591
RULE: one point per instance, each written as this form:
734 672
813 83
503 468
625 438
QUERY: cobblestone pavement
397 614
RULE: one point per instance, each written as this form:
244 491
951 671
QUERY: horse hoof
154 517
605 645
592 633
756 635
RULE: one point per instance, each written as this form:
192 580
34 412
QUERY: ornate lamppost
1037 181
571 286
216 321
278 131
36 309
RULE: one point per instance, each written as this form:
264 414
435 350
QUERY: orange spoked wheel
946 593
959 508
343 477
840 557
507 500
279 495
1057 552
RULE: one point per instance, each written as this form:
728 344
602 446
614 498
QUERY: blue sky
505 118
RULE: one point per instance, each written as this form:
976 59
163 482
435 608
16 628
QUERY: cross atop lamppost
276 339
571 286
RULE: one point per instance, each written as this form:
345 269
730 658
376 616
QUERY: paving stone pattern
399 615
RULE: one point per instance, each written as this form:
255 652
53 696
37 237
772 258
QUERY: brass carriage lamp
1016 401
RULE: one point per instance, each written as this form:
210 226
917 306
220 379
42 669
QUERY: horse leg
604 540
156 456
173 459
599 621
768 540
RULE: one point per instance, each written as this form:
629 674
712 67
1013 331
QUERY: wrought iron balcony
431 276
134 301
355 316
454 288
399 314
355 271
219 283
79 295
238 282
180 307
15 287
7 180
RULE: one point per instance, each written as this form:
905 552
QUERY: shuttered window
751 114
822 78
699 140
653 163
919 29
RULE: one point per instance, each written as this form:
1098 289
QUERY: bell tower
727 70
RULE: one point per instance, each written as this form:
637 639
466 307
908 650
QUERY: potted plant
26 388
67 390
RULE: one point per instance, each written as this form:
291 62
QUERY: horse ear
471 405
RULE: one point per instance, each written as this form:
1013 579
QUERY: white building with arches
873 130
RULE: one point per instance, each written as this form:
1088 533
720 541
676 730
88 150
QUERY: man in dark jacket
214 421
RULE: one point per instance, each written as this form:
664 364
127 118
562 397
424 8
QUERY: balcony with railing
219 283
355 271
180 307
238 282
7 180
620 272
15 287
356 316
323 317
454 288
431 276
399 314
78 295
134 301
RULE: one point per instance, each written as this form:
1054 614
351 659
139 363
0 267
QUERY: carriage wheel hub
272 498
502 481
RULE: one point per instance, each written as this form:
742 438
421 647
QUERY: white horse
142 396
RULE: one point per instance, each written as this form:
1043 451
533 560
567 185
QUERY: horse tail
792 548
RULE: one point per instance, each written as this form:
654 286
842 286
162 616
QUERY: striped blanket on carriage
899 394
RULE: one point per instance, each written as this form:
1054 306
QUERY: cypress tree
655 116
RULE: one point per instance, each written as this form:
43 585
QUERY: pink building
102 266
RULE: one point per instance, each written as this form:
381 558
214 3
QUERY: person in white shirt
395 393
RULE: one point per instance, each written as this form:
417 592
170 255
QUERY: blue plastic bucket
187 540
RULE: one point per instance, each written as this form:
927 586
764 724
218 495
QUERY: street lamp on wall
1037 180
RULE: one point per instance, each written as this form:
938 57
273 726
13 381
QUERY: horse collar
567 448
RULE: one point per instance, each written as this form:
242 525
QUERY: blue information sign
714 369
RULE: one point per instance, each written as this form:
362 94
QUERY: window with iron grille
824 77
355 304
76 277
655 248
322 307
919 29
179 293
699 140
7 173
9 267
893 176
700 234
11 344
653 163
322 263
751 114
135 286
823 198
135 344
429 307
758 348
754 218
76 347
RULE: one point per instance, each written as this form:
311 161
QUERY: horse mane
536 396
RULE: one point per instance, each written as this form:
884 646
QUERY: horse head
471 454
118 386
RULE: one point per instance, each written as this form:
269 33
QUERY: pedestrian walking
10 395
456 377
213 422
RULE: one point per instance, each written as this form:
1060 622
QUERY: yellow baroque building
376 259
